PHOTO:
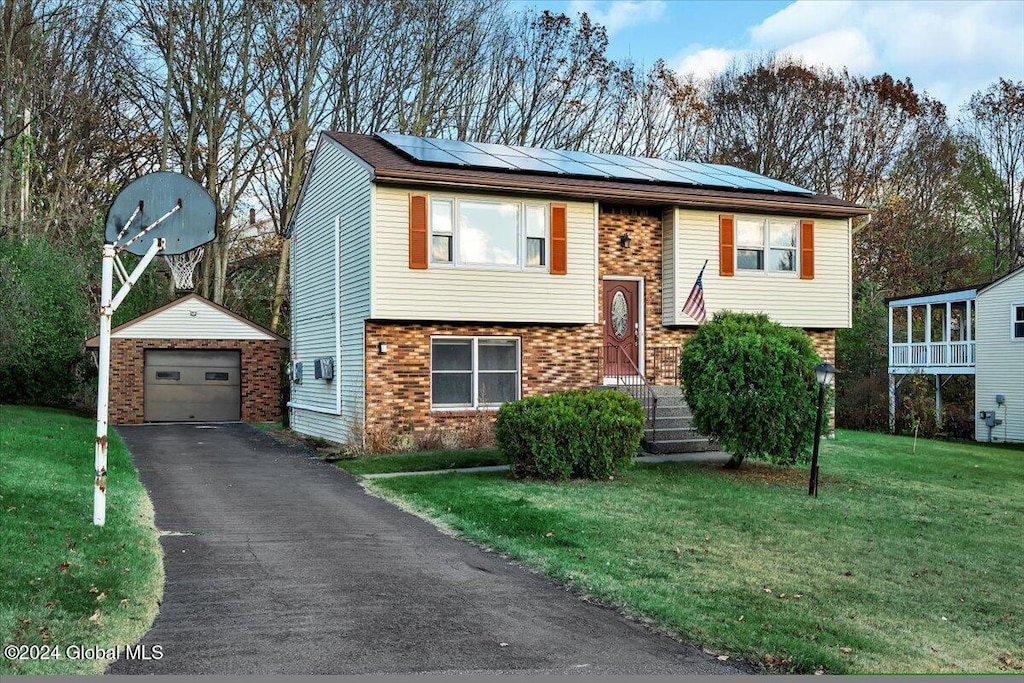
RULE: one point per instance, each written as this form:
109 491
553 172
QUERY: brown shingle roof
391 167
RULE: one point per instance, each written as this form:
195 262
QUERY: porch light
624 240
824 372
382 347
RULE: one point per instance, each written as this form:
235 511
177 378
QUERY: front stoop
672 430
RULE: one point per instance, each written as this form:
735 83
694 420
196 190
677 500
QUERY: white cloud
844 48
800 20
616 15
706 62
949 49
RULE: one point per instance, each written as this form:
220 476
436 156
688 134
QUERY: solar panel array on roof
487 155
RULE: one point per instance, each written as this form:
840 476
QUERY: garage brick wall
261 384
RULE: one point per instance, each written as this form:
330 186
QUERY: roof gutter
638 195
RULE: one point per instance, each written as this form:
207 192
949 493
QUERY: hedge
570 434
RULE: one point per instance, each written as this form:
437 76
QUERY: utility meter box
323 368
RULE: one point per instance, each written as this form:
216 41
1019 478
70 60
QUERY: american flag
694 306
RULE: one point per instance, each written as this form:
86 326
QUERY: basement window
473 372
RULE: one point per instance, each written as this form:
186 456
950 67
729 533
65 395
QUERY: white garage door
192 386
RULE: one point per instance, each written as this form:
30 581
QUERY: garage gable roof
191 317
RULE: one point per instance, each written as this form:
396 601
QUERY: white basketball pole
99 499
109 304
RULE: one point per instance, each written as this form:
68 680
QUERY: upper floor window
1018 321
488 233
767 244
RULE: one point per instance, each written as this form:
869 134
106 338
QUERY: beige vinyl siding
190 319
999 359
337 197
668 267
823 302
462 293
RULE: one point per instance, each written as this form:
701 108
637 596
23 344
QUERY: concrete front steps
672 431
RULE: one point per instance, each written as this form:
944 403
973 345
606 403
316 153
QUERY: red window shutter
559 254
806 250
418 234
726 246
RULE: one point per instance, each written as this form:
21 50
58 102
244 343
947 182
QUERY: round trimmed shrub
581 434
750 385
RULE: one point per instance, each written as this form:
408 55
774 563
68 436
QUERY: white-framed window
473 372
489 233
767 244
1017 321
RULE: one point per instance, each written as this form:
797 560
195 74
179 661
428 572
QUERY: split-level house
434 279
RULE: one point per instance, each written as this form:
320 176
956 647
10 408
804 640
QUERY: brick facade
554 357
261 379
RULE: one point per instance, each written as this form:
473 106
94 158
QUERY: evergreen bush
750 384
581 434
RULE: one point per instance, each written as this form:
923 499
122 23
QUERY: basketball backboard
161 204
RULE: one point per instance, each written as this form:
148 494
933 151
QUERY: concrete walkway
295 569
707 456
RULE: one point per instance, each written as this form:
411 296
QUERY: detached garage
193 361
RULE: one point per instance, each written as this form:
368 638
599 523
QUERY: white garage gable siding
823 302
480 293
338 192
190 318
999 364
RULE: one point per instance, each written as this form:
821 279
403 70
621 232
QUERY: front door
621 327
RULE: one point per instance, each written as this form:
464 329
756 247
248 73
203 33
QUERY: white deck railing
957 354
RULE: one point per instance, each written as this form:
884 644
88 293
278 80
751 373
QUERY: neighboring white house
971 331
434 279
1000 358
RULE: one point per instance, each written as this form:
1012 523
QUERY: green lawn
66 582
905 563
423 462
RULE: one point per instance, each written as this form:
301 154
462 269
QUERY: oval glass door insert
620 315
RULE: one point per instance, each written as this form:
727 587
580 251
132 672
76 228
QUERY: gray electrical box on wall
323 368
297 373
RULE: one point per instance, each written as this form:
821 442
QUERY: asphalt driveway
278 563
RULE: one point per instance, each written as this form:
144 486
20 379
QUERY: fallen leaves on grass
763 473
1008 661
95 616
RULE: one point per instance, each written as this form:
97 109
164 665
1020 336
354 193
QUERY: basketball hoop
158 213
183 266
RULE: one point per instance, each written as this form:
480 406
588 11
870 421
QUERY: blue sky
949 49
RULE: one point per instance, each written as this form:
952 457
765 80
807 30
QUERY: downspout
337 332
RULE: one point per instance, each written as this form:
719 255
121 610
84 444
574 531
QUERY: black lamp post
824 373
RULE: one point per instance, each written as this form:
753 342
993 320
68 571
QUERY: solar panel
525 163
454 146
540 153
624 172
576 168
487 155
433 154
484 160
